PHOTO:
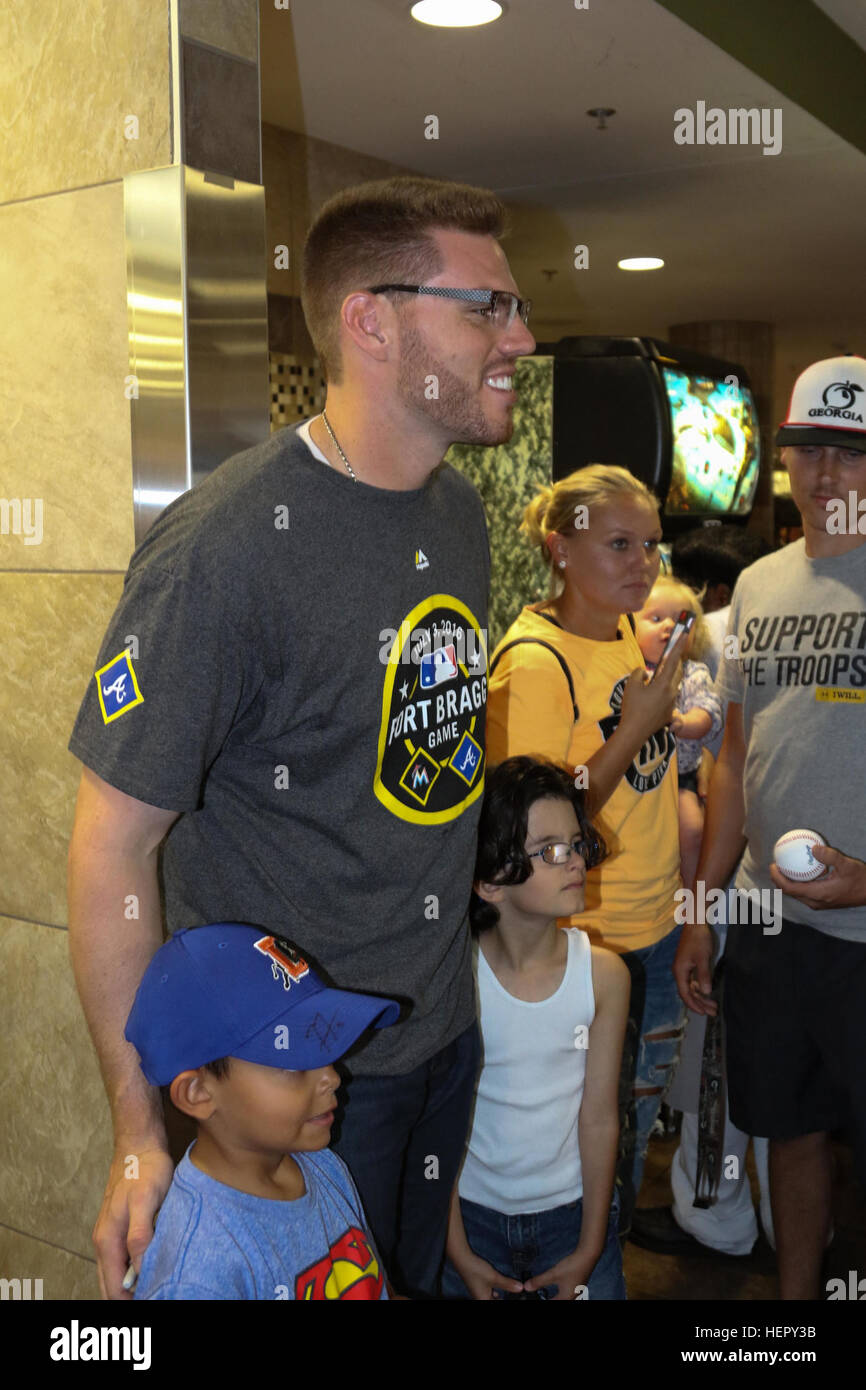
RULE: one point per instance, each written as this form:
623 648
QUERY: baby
697 718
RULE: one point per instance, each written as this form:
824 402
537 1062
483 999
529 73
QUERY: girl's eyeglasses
590 850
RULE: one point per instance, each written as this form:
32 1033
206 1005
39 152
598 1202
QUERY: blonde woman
568 682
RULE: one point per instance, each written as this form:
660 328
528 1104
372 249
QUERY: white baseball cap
828 405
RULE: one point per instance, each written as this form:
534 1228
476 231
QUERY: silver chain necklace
352 474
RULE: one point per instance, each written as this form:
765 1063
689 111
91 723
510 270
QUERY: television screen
716 444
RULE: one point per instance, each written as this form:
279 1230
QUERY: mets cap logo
117 687
287 964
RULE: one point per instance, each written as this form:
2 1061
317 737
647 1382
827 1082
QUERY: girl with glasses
533 1214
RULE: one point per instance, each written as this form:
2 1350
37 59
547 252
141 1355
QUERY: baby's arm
598 1123
694 725
699 711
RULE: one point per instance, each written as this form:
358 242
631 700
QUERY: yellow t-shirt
630 897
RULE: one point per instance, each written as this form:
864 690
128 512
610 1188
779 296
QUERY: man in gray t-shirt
794 675
301 712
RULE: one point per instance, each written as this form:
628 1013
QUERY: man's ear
192 1094
371 323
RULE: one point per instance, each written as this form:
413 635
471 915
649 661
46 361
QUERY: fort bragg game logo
430 758
650 764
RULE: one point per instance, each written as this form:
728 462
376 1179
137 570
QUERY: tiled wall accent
297 389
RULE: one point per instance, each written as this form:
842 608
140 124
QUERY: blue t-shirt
213 1242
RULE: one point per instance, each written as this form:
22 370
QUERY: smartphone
684 623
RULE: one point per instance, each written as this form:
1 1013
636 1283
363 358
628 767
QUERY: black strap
548 618
711 1103
539 642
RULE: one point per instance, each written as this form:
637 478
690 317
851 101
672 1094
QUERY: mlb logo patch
117 687
438 666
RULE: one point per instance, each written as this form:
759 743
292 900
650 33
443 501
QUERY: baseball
794 857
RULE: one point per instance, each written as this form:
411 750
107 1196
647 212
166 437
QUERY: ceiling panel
744 235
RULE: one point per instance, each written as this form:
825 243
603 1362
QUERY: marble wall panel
71 75
50 631
64 356
229 24
56 1139
64 1276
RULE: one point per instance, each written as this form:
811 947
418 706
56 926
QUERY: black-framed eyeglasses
502 305
591 850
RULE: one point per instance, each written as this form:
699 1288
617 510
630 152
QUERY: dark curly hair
511 790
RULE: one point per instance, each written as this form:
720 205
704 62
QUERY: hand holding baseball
844 884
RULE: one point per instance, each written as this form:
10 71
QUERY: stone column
93 90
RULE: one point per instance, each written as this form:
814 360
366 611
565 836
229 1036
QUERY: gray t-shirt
329 795
716 624
801 680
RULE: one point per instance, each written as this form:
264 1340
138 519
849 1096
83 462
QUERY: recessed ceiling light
456 14
641 263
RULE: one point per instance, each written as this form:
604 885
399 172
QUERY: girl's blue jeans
522 1246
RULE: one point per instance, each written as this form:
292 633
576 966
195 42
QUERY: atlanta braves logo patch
117 687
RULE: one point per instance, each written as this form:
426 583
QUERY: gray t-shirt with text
800 676
297 663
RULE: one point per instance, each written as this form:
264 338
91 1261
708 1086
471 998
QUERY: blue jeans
522 1246
402 1138
653 1037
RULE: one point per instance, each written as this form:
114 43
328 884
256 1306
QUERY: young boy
532 1213
244 1033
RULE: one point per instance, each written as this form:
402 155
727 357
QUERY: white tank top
522 1154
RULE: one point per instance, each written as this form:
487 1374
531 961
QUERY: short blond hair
554 508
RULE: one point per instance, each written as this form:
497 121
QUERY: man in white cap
794 676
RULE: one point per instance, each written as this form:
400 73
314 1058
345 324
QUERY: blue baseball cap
230 990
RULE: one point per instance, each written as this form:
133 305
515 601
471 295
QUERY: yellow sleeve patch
117 687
